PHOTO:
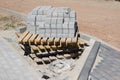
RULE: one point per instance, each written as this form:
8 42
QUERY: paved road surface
13 66
109 67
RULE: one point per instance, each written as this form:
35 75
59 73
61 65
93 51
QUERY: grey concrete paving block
53 35
47 35
58 9
72 14
93 78
60 14
37 23
46 9
39 18
67 8
65 35
65 25
54 31
48 20
40 24
71 31
54 14
71 35
40 10
49 14
97 76
42 34
84 75
59 35
32 31
59 31
31 28
34 12
71 25
47 26
53 26
15 66
65 31
50 11
48 31
59 20
41 31
53 20
43 18
59 26
31 23
66 19
73 20
66 14
31 18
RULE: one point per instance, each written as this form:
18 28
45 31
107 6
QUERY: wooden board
33 37
22 36
27 37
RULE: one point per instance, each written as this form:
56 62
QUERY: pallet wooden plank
33 37
44 41
27 38
82 41
57 41
37 40
63 42
68 41
52 58
51 41
34 47
22 36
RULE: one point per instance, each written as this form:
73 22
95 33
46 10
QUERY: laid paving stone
109 66
93 78
12 65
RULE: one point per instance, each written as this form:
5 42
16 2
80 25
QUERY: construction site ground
96 18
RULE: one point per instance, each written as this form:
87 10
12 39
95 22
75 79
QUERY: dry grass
10 22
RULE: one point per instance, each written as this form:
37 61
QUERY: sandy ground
98 18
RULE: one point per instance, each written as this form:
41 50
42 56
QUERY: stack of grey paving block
48 21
